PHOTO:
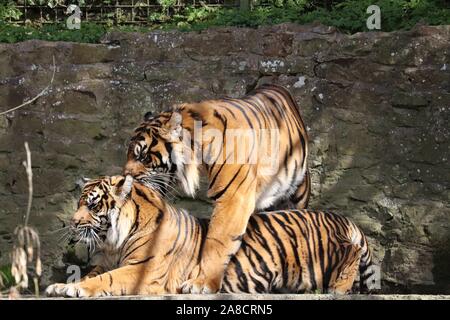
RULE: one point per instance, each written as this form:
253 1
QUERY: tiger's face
153 152
99 199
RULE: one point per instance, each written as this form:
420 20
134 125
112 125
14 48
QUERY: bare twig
27 165
27 246
36 97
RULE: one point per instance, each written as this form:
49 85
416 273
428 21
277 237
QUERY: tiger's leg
128 280
97 270
348 271
300 198
228 223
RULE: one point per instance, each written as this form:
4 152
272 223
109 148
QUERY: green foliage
167 3
192 14
89 32
204 17
351 15
54 3
347 15
6 278
8 11
159 17
255 17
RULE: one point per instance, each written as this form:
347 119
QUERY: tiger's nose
74 222
133 168
81 215
128 170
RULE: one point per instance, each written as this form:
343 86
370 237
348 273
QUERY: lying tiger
149 247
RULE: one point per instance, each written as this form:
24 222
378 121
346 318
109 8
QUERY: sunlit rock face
377 107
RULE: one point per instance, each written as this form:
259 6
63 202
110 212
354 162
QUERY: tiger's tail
367 272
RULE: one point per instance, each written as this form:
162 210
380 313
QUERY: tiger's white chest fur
187 168
279 188
109 254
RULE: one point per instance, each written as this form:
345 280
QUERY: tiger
147 246
266 169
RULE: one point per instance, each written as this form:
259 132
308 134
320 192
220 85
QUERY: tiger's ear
125 189
171 130
148 116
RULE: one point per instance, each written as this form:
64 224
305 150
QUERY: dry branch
29 171
27 247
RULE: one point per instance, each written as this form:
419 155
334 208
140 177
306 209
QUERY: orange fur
283 251
238 188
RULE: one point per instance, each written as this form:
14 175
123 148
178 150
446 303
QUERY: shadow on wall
441 271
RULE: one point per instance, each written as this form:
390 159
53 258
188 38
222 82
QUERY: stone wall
377 107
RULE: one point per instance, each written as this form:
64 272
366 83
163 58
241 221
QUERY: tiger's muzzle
81 217
134 168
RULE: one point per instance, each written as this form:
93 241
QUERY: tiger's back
270 135
299 251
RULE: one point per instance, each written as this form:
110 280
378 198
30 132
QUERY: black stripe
224 123
302 222
178 221
328 270
265 270
242 277
320 246
226 287
141 261
134 250
293 238
220 193
187 221
280 246
237 106
254 225
195 115
242 181
255 114
110 279
229 111
248 250
145 196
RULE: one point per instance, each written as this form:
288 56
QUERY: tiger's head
155 151
108 208
100 200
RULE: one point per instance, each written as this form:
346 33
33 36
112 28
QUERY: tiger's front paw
55 289
201 285
72 290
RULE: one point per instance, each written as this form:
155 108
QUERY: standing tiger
146 246
272 147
